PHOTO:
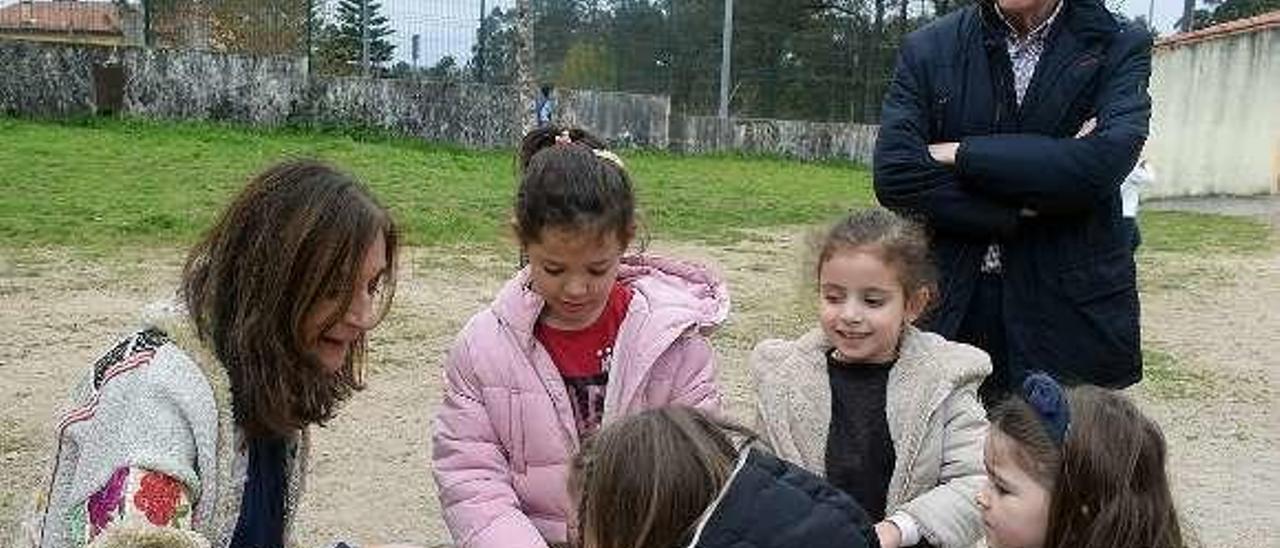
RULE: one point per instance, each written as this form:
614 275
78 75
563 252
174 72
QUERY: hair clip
1049 400
563 138
610 156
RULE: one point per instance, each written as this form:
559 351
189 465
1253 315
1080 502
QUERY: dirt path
1220 407
1218 401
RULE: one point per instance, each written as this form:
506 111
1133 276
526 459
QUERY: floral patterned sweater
147 452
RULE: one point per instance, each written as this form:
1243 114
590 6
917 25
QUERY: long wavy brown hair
295 235
643 481
1107 481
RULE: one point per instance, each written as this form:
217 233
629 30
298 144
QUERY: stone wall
792 138
195 85
472 115
61 80
625 119
48 80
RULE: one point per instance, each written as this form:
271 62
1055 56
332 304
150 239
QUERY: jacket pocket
1099 278
1100 323
519 460
502 405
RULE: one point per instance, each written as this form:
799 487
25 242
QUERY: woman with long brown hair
192 431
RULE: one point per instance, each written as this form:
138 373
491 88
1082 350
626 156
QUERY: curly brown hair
900 242
295 235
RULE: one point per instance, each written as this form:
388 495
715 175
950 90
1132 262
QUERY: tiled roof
1239 26
84 17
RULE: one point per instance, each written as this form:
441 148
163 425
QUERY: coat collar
1077 38
1088 20
671 298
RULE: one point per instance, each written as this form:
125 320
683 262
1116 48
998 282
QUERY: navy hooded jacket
771 503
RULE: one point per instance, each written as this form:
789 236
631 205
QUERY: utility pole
415 44
480 46
364 38
726 54
525 60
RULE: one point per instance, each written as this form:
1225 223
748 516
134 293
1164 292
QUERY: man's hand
944 153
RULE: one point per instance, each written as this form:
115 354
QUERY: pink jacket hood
679 295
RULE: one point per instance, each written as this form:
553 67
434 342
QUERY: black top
860 455
261 523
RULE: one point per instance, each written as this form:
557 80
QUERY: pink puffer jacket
505 435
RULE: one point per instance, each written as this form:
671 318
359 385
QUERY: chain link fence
817 60
799 59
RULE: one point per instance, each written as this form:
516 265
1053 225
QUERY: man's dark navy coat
1069 289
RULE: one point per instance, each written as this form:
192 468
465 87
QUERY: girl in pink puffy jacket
580 336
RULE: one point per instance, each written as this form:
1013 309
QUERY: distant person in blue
984 138
545 106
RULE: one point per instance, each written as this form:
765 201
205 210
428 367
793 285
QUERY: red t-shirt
583 357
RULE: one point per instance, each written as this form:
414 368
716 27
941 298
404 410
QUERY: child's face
573 271
1015 507
862 306
331 346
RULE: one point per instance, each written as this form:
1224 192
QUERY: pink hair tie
563 138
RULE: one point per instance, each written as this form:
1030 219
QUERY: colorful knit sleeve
132 496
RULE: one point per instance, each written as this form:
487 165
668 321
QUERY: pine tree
339 44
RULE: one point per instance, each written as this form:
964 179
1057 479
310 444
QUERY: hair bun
1049 400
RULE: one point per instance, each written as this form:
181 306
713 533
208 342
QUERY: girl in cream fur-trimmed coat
882 410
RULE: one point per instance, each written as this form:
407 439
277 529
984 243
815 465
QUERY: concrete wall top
1222 30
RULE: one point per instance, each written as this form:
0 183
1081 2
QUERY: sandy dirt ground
1215 318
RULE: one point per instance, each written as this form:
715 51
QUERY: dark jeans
983 327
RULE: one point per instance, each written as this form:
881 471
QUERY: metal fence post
480 46
726 55
525 60
364 38
147 40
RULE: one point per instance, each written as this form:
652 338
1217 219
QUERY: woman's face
332 346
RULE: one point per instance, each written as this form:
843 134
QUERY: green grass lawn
1203 234
98 183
